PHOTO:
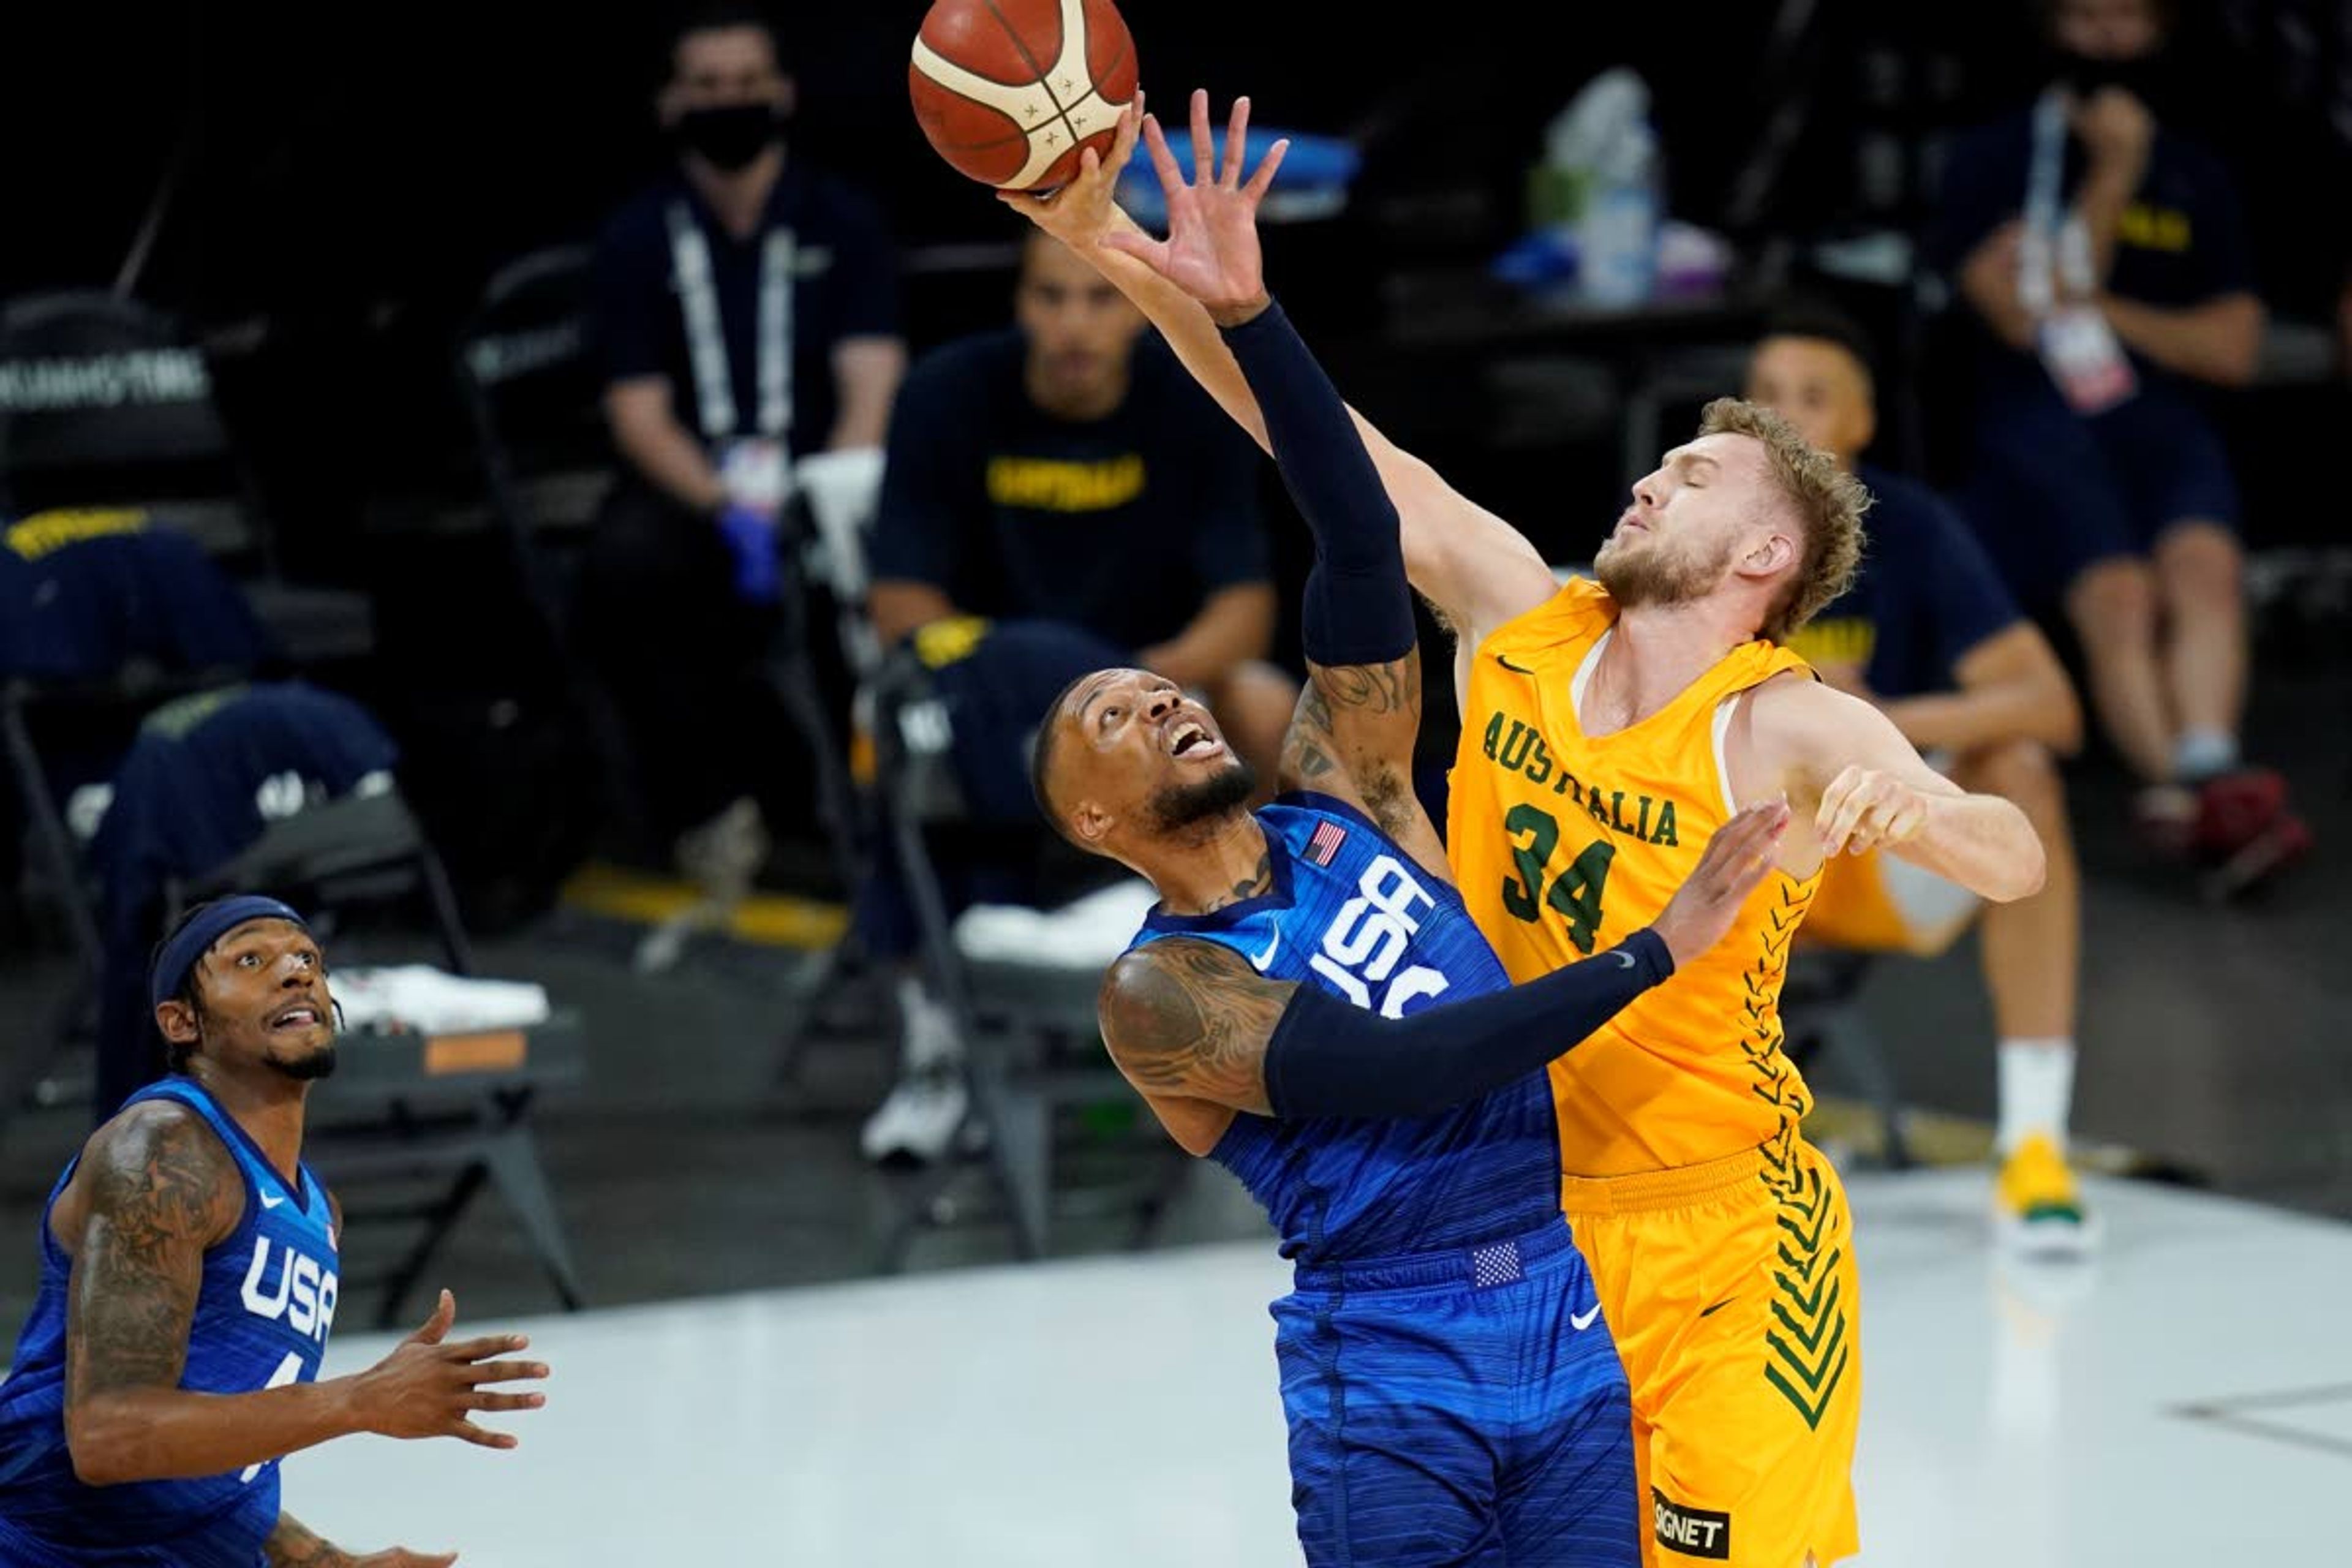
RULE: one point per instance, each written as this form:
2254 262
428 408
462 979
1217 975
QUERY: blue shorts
2054 494
1459 1408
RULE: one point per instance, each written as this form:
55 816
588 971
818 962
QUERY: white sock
928 1037
2202 754
2037 1090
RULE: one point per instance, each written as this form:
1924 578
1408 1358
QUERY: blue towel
1311 183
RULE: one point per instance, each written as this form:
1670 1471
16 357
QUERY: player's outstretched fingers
504 1371
500 1402
1203 145
482 1436
1263 179
1842 806
1164 162
444 1312
488 1346
1236 138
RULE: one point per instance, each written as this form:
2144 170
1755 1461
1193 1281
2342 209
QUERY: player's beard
1659 574
319 1064
1180 806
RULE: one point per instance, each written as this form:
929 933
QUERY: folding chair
1033 1047
534 398
105 402
832 512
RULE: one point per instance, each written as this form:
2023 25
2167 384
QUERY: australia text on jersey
1515 746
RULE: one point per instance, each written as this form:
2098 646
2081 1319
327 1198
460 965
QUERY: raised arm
1859 786
1476 569
1198 1032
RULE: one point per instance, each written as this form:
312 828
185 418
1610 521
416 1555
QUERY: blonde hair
1828 500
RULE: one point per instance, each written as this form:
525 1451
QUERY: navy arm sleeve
1326 1057
1358 609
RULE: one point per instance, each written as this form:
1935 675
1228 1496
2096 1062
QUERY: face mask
731 136
2086 74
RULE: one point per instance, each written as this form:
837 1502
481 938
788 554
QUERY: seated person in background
1068 470
746 309
2107 261
1928 634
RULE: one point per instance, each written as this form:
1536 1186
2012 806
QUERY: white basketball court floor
2184 1402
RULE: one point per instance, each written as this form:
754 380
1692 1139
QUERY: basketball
1010 91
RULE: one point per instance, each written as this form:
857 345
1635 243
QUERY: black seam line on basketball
1021 48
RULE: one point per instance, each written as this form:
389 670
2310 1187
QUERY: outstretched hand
1702 909
1082 212
429 1387
1212 250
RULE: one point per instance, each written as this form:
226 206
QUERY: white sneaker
918 1122
719 856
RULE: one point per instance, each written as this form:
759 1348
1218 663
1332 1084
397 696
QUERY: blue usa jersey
1351 912
262 1315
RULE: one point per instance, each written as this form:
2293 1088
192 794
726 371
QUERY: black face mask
730 137
2143 77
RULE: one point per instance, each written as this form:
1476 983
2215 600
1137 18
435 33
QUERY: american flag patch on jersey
1325 845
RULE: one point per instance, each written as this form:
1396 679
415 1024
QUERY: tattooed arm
1188 1023
156 1188
1352 736
1204 1036
292 1545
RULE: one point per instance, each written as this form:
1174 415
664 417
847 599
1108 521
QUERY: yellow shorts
1875 903
1731 1290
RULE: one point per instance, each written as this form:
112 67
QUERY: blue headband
195 938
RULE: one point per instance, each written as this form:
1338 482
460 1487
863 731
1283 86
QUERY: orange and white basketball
1010 91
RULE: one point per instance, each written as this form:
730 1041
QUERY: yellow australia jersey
1565 844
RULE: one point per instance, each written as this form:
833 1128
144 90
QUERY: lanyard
2054 245
705 343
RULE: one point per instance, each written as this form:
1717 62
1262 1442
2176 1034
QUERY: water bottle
1617 237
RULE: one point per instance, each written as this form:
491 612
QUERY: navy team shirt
2181 241
846 287
1352 913
1121 526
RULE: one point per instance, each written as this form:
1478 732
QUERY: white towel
416 996
1085 934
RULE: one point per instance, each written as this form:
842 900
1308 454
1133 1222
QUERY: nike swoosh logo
1580 1322
1718 1306
269 1203
1624 959
1514 669
1260 961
